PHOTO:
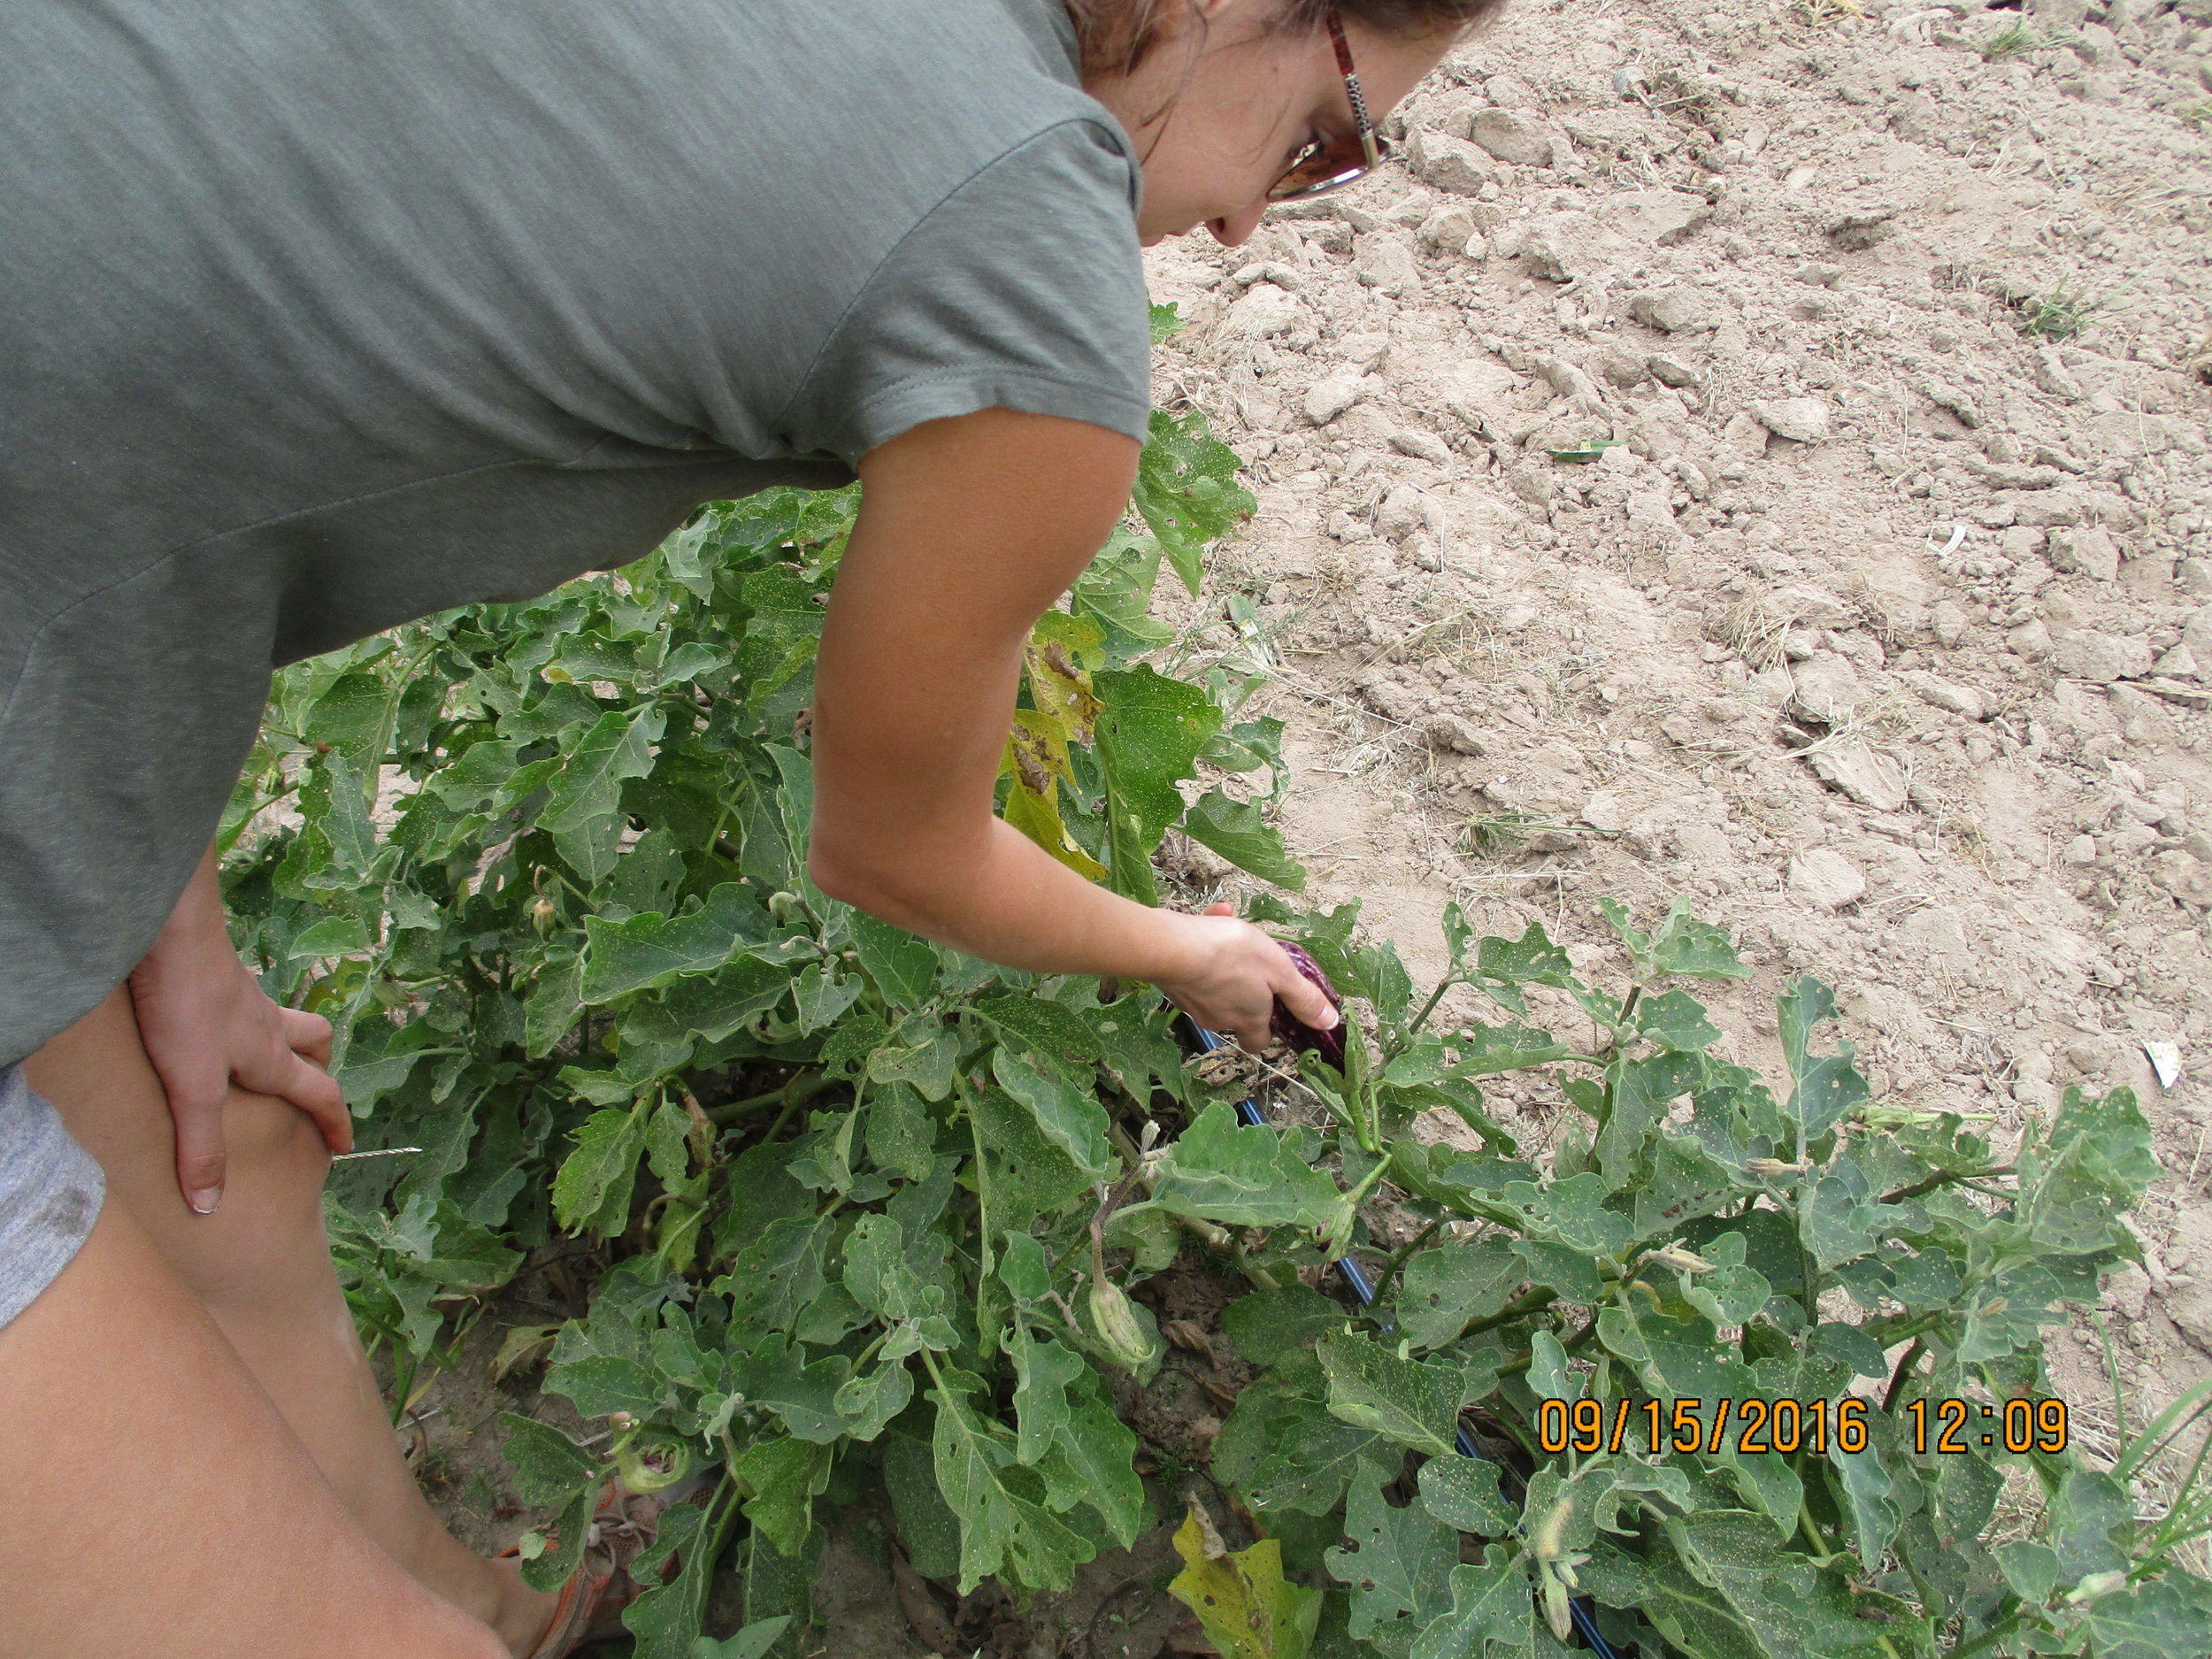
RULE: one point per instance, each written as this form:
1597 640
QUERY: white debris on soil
1873 607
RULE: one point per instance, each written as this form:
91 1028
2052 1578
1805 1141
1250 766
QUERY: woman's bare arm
969 528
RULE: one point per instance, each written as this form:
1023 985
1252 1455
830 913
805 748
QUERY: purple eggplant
1328 1044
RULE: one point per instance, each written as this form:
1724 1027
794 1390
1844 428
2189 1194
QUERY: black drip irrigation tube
1355 1279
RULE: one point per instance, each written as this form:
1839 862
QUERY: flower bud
541 917
1773 1169
1335 1233
1556 1613
654 1460
1126 1337
1679 1259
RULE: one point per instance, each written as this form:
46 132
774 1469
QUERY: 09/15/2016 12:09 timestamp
1752 1426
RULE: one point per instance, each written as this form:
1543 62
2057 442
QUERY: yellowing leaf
1038 816
1059 677
1243 1603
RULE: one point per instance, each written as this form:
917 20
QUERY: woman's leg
157 1504
260 1266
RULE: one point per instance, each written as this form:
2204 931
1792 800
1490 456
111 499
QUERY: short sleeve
1023 288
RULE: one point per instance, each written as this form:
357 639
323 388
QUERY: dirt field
1887 629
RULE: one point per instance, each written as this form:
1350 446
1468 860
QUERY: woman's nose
1236 229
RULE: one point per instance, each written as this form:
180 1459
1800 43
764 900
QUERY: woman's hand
1239 973
206 1023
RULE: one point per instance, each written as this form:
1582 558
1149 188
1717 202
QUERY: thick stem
1398 1259
1535 1301
1942 1178
1902 1375
1809 1529
806 1085
1427 1008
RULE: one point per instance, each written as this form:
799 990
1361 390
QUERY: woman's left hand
207 1024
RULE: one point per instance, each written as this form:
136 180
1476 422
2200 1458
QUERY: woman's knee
269 1222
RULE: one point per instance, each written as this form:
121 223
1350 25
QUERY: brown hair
1116 34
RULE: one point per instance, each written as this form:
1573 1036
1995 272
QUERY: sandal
596 1592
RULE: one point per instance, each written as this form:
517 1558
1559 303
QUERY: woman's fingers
1303 998
196 1107
305 1033
317 1093
277 1070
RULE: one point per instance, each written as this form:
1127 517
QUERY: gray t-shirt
319 315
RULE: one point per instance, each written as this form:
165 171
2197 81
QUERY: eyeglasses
1320 168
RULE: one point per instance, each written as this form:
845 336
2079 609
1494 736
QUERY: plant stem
1811 1530
808 1083
1427 1008
985 1330
1398 1260
1535 1301
1942 1178
1993 1634
1902 1375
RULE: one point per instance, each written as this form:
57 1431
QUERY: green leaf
1026 1176
549 1468
1503 966
589 791
1023 1267
1462 1493
1246 1608
1693 948
1734 1594
592 1191
1311 1464
1042 1371
604 1384
1149 735
1243 1175
752 1642
923 1054
1268 1324
1443 1289
1824 1086
1675 1020
930 1530
1411 1401
2158 1618
785 1475
571 1528
805 1394
1092 1461
1235 830
665 1617
1398 1562
1675 1359
1640 1091
1004 1525
1871 1511
353 716
653 950
332 936
1069 1116
1187 491
902 1134
1489 1604
904 968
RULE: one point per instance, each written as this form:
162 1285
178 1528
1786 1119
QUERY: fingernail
1330 1020
206 1201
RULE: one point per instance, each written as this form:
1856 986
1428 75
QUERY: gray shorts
51 1192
